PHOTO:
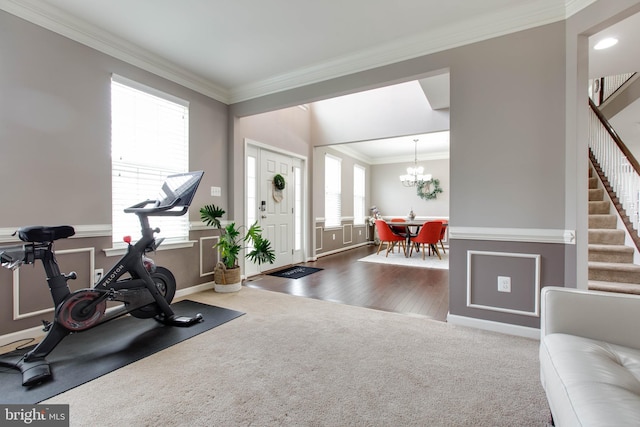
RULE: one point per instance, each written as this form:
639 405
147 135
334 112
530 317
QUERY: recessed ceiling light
605 43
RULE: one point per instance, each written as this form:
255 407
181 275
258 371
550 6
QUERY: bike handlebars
177 191
157 210
12 257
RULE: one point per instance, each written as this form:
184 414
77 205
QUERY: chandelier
414 174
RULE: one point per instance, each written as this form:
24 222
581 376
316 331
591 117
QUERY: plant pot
235 287
227 279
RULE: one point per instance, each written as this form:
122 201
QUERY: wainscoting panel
208 255
474 268
319 245
347 233
29 280
483 270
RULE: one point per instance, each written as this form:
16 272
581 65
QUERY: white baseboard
194 289
37 332
489 325
24 335
337 251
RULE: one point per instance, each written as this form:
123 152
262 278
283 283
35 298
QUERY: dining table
409 224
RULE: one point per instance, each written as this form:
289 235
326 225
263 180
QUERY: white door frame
251 269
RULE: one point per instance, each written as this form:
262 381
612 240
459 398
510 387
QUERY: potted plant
227 275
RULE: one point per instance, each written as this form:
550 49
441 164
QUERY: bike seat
42 233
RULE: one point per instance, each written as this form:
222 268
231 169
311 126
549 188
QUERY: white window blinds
149 140
358 194
332 191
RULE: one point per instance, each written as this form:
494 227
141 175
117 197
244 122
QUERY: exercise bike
146 290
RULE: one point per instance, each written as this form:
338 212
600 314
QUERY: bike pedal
46 325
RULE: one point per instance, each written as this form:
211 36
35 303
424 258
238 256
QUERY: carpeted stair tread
603 221
626 288
611 248
596 194
606 236
614 272
610 261
633 268
599 207
611 253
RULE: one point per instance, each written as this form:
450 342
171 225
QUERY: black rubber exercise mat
87 355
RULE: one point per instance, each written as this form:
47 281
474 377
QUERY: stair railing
604 87
619 166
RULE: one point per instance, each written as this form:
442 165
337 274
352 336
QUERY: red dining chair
386 235
429 235
400 230
442 235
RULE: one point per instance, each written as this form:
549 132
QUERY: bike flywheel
72 313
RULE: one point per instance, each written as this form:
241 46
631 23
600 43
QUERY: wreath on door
278 182
423 189
278 186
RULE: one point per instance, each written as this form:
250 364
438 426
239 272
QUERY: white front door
279 213
276 207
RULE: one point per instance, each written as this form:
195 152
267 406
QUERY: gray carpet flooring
303 362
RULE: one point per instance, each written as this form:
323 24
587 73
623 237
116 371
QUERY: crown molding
482 27
443 155
424 157
574 6
352 153
53 19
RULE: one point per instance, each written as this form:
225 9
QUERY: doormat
295 272
85 356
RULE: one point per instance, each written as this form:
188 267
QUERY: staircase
611 266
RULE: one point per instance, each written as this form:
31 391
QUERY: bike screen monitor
181 186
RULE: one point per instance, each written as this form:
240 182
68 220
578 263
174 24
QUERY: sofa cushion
590 382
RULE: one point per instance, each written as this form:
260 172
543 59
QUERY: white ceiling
432 146
622 58
238 50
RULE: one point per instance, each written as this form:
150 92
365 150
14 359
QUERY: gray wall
388 194
518 151
327 240
518 148
56 162
55 166
507 164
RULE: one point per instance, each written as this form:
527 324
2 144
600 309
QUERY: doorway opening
274 183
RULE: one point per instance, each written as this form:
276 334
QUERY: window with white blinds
298 208
149 140
332 191
358 195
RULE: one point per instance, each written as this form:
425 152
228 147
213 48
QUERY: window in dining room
332 191
358 194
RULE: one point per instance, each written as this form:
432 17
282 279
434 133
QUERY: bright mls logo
35 415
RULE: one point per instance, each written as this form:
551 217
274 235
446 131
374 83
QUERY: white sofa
590 357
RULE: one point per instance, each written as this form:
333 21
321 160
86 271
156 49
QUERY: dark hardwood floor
408 290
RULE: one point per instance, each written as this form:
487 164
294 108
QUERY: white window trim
148 89
177 240
165 246
339 160
361 220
